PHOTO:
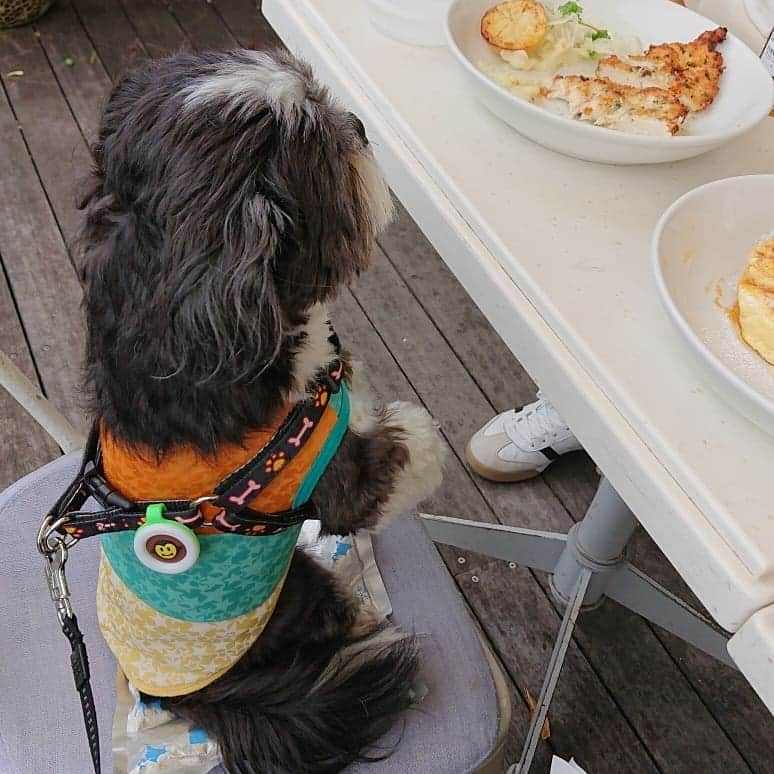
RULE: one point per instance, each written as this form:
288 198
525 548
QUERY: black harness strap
233 495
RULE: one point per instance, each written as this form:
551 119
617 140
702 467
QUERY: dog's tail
309 715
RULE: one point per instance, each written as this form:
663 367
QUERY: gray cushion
40 715
40 718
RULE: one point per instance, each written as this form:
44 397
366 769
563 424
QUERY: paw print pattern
321 396
276 462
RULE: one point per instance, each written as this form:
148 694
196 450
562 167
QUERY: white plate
746 90
700 248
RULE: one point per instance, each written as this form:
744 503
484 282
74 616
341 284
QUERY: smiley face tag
163 545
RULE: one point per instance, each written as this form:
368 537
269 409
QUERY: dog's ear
338 204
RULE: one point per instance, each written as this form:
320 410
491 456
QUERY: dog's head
230 193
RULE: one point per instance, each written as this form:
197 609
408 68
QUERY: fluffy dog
231 199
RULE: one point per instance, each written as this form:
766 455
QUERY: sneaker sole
492 474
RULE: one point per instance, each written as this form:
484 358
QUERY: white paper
561 766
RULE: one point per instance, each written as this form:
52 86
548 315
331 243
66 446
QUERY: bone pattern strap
233 494
237 491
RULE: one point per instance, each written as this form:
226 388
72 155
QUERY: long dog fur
231 198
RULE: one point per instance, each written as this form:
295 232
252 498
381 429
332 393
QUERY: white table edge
604 432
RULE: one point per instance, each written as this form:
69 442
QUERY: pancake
756 300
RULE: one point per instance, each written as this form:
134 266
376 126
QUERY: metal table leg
586 565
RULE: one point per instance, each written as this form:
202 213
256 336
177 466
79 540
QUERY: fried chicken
651 110
691 71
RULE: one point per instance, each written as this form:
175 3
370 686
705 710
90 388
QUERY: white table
555 252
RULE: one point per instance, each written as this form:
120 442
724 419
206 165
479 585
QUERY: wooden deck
632 699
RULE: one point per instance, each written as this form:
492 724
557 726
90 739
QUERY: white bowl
700 247
746 90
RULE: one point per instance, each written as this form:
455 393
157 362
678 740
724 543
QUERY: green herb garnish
570 9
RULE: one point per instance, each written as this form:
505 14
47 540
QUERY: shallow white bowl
746 91
700 247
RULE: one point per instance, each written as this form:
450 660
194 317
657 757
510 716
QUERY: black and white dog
231 199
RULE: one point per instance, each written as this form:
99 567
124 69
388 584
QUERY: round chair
458 728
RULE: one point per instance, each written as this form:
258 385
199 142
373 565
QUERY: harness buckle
99 488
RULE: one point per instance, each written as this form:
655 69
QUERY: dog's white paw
423 473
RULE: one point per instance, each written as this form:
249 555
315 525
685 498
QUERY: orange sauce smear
731 312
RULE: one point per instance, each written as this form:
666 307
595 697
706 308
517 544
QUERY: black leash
55 548
66 524
79 660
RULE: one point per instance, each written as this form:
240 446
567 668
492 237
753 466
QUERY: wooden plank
428 360
203 26
724 691
156 27
52 134
485 356
448 390
111 34
42 279
517 731
247 24
29 444
456 493
85 84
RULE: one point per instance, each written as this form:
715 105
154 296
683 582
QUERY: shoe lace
535 424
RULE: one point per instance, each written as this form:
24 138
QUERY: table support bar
552 673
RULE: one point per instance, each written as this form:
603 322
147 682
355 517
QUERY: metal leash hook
55 549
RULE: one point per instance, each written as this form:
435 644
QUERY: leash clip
55 549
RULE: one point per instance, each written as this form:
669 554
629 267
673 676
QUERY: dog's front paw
423 472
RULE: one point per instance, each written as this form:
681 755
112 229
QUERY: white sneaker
521 443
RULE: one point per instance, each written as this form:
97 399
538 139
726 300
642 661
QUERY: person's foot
520 443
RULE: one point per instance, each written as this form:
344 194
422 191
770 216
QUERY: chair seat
456 729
